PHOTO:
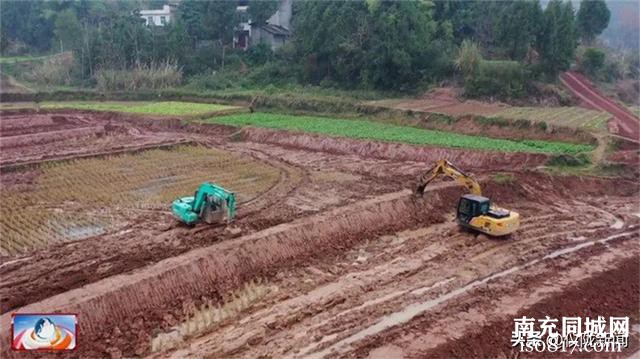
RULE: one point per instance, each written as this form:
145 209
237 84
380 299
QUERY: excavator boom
444 167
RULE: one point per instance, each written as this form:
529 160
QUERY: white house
159 17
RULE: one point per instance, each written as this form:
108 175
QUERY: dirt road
626 124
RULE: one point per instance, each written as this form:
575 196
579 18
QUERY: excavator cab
471 205
476 212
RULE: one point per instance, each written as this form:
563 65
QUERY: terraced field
167 108
81 198
369 130
561 116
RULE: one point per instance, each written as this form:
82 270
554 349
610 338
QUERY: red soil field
362 267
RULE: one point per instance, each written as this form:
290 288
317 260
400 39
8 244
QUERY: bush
592 61
260 54
56 71
274 73
151 77
565 160
468 58
215 80
504 79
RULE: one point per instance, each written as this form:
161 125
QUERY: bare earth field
331 254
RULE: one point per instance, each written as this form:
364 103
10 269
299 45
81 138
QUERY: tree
558 40
517 27
593 18
66 31
592 61
28 22
380 44
261 10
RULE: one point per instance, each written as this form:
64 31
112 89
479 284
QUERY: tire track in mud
440 331
215 270
412 311
323 314
611 292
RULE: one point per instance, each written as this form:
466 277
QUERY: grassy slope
362 129
168 108
14 59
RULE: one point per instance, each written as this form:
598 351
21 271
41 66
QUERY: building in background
158 17
242 35
277 31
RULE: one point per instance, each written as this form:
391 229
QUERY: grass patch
165 108
363 129
502 178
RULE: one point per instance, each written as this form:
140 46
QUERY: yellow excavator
474 211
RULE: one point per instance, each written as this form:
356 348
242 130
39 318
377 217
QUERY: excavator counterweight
474 211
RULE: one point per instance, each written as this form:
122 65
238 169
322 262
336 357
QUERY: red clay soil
127 282
139 301
50 136
99 257
627 124
28 136
611 293
212 271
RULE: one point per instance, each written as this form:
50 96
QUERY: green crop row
362 129
166 108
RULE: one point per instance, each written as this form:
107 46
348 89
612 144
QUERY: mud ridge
395 151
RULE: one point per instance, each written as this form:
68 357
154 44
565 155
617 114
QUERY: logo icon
44 331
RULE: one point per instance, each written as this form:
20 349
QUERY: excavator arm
444 167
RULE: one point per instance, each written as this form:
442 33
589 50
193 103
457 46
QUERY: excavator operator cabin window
484 207
465 206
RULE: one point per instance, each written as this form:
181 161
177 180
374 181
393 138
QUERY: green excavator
210 204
